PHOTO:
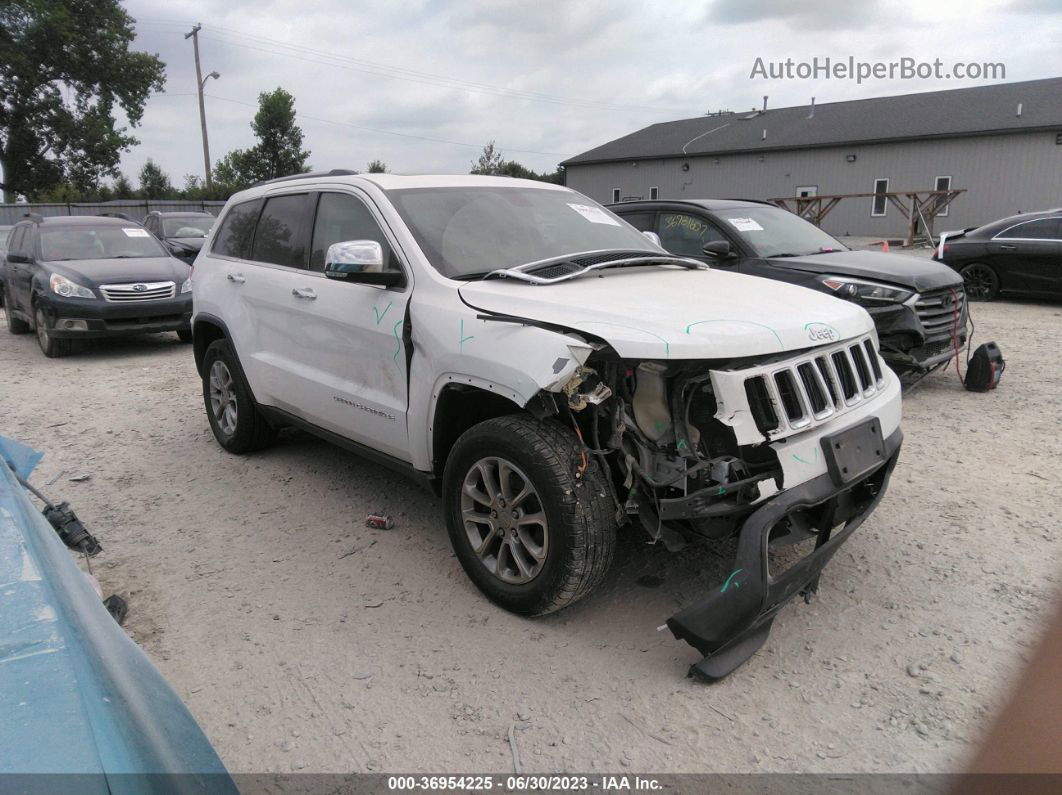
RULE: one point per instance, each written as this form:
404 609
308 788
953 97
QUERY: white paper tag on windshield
594 215
745 225
135 232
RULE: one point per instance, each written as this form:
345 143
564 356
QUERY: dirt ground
303 640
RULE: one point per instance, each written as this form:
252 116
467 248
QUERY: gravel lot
303 640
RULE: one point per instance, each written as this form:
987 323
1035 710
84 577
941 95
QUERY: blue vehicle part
80 701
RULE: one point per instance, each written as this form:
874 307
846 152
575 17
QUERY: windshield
774 232
467 231
188 226
101 242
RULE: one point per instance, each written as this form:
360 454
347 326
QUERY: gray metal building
1002 143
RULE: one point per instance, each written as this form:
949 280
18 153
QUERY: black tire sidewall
537 595
243 438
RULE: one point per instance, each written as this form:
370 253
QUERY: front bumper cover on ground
733 621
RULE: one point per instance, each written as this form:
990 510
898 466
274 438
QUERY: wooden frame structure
916 205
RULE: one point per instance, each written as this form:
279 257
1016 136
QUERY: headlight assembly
60 285
865 292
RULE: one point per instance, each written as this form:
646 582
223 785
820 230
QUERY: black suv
182 233
91 276
918 305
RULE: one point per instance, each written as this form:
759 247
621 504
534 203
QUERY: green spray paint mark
681 444
398 341
809 463
462 339
729 579
667 345
781 345
721 492
379 314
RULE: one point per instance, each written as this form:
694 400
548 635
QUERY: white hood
673 313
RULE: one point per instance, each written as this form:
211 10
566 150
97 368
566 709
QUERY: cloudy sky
423 84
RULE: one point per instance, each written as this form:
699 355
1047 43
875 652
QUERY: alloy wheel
223 397
504 520
979 282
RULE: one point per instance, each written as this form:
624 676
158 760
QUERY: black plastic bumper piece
731 623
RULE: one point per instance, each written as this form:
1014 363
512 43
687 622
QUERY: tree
65 67
377 167
278 152
154 182
490 160
123 188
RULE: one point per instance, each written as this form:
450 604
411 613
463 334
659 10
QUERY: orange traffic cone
884 246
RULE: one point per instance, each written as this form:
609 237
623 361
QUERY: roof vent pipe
764 105
812 114
1019 110
764 137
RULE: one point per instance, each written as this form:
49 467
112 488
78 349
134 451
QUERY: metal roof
981 110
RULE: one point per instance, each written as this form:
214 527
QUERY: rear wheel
51 347
529 515
234 418
982 282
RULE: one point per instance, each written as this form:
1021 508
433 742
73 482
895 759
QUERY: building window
807 191
654 193
881 202
942 183
615 195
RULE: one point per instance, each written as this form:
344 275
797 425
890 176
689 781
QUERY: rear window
233 238
187 226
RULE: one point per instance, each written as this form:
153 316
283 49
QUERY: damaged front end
700 451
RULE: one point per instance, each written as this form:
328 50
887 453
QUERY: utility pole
200 81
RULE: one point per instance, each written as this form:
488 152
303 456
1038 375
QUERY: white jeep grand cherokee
553 374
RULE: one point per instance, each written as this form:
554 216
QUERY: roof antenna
1019 110
812 114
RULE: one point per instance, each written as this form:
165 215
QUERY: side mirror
11 257
718 249
360 261
653 236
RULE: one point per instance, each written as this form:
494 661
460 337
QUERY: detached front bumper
87 319
733 621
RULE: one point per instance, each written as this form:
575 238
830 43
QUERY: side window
880 204
281 235
643 222
15 240
685 234
233 238
1042 229
341 218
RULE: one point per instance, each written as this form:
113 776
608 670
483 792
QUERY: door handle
1003 247
304 292
235 278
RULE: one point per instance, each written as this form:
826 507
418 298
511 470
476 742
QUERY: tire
575 544
184 335
50 346
234 418
981 281
14 325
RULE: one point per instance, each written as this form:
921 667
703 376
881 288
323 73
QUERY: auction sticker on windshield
745 224
135 232
594 215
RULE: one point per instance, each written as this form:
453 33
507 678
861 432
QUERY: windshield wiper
526 272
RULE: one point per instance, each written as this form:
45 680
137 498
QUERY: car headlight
60 285
864 292
187 286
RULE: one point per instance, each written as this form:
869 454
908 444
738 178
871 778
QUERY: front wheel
981 281
50 346
529 514
234 418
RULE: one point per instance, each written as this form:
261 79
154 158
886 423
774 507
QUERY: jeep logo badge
139 287
820 332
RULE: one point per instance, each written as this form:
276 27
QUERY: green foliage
65 67
377 167
155 183
122 188
278 153
493 163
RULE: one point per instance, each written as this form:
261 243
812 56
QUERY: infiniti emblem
139 287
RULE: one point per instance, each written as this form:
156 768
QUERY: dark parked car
182 233
88 276
4 232
917 305
1020 254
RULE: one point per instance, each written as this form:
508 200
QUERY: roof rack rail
753 201
335 172
35 217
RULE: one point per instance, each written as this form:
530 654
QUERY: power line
400 73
